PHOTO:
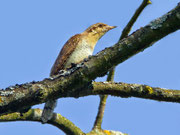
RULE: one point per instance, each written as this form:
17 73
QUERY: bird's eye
100 25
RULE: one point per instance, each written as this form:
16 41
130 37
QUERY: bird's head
97 30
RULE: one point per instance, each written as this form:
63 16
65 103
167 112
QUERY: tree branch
57 120
128 27
135 90
114 89
35 115
125 32
73 81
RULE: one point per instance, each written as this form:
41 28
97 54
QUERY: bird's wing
64 54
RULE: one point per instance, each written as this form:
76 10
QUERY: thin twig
128 27
102 105
126 30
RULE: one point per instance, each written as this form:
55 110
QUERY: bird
74 51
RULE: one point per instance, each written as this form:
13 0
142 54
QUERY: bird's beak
111 27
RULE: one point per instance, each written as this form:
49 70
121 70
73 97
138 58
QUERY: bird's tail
48 110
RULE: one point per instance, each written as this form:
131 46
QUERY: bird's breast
82 51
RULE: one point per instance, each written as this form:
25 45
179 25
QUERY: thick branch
72 82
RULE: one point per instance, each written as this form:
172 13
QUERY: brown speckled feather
66 51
